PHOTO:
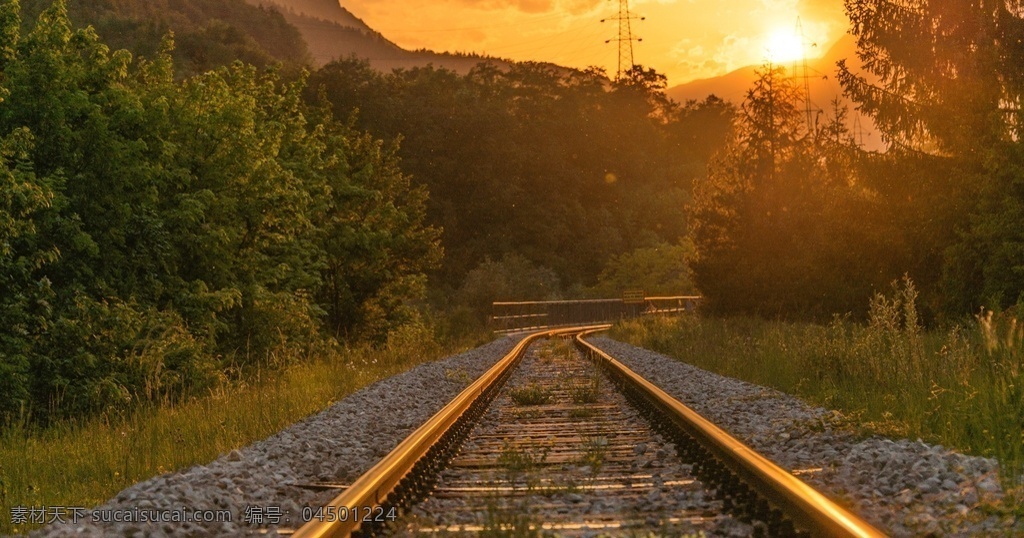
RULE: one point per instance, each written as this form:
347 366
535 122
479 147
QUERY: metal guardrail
516 316
803 504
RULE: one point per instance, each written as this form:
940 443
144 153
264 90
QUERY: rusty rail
371 489
807 507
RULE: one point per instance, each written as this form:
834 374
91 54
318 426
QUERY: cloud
822 10
525 6
533 7
578 7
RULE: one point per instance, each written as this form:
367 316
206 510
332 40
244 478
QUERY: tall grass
84 463
962 387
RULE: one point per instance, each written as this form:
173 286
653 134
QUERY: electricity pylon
806 74
625 38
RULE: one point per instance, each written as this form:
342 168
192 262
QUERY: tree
209 33
659 270
774 223
950 78
156 235
950 97
741 199
376 244
564 167
513 278
26 203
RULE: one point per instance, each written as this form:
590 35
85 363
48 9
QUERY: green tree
949 98
564 167
779 225
375 242
660 270
949 72
26 203
513 278
157 235
209 33
746 196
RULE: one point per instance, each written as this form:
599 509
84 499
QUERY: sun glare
783 46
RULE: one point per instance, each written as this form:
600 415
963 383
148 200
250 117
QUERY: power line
504 23
532 46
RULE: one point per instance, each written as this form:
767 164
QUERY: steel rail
807 507
371 489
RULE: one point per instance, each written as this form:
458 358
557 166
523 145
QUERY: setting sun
783 46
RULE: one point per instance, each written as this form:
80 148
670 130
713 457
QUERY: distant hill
824 87
207 33
326 10
333 32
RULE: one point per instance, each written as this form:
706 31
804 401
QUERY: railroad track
548 442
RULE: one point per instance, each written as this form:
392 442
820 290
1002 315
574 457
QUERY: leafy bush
513 278
157 235
660 270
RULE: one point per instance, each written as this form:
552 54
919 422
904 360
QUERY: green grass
554 348
86 463
586 392
962 387
532 394
594 451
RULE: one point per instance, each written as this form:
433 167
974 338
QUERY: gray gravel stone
336 445
906 488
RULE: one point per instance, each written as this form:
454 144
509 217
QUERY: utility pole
625 38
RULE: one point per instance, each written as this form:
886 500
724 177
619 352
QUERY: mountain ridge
331 32
822 82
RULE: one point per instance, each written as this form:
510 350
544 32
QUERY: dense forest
168 228
796 221
207 33
561 167
158 234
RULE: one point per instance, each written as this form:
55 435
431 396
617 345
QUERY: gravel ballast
255 483
906 488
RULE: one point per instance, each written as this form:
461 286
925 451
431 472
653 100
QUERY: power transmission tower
806 76
625 38
859 131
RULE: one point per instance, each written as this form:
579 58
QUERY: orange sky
684 39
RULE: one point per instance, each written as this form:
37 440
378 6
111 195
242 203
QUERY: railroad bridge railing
515 316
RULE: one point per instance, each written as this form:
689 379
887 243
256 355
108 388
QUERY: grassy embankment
962 387
85 463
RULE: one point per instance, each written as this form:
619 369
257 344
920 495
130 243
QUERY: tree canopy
207 33
154 232
951 100
562 166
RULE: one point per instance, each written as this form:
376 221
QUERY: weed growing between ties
521 467
520 464
85 463
510 522
553 348
587 391
532 394
594 450
963 387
